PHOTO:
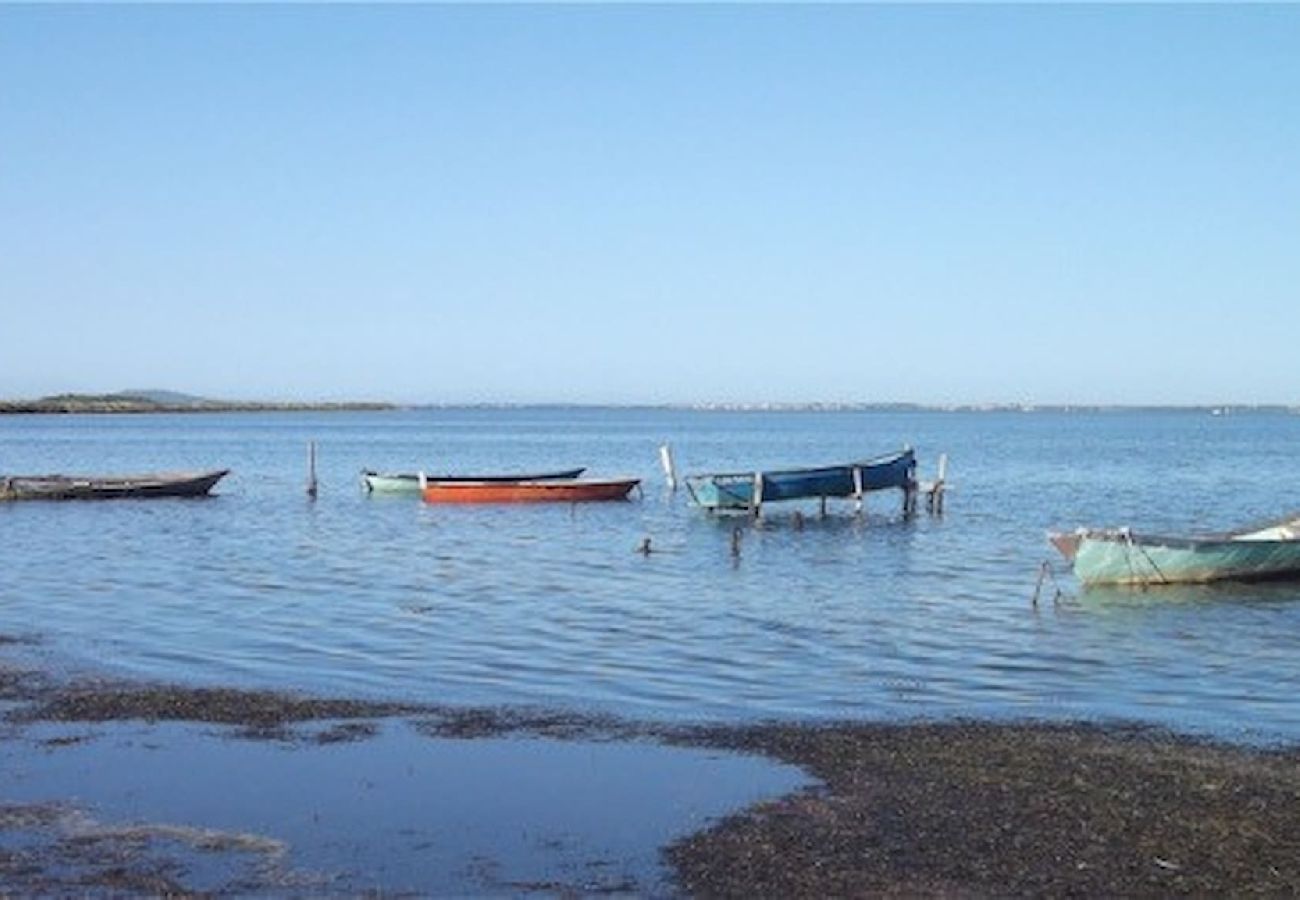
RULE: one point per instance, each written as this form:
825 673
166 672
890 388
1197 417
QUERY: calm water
874 618
397 813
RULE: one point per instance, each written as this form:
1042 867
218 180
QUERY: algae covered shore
839 809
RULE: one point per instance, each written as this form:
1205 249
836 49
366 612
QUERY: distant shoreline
118 403
143 404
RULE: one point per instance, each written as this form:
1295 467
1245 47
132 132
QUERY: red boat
577 490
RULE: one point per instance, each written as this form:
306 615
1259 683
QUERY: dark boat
109 487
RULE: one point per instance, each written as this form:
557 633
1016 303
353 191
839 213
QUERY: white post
312 485
670 468
934 502
424 480
756 496
857 489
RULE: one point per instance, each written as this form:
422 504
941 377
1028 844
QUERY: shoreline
144 408
930 808
127 404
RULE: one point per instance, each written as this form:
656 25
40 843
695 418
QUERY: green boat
1122 556
409 483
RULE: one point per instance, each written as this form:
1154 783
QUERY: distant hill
161 401
166 398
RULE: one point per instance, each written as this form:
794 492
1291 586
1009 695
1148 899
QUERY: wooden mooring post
934 490
670 468
313 486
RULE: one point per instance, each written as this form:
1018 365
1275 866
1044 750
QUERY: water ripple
828 618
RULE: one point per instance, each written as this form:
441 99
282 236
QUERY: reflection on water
1105 597
863 617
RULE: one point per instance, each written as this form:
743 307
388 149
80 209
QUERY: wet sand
965 808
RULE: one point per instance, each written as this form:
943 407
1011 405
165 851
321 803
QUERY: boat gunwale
1182 542
553 483
557 475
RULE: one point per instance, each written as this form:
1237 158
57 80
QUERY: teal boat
750 490
1122 556
409 483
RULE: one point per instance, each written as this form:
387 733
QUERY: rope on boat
1131 546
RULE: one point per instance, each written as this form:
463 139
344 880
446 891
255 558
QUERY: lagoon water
873 618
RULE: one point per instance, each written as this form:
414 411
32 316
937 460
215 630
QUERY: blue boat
750 490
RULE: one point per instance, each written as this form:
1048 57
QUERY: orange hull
527 491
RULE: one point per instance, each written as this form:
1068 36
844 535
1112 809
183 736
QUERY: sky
652 204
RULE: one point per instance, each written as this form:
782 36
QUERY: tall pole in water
670 468
312 485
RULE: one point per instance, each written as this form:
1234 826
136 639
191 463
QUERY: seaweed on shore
965 808
171 703
476 723
64 851
994 809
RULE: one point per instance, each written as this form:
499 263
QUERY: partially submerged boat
749 490
574 490
109 487
409 482
1122 556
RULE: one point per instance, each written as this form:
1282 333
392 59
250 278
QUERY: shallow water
398 811
874 618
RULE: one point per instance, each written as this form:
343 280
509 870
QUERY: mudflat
980 809
957 808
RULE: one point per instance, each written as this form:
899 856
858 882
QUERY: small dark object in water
644 548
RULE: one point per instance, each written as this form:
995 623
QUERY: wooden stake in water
312 485
934 502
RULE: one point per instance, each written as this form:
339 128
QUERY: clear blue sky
652 204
